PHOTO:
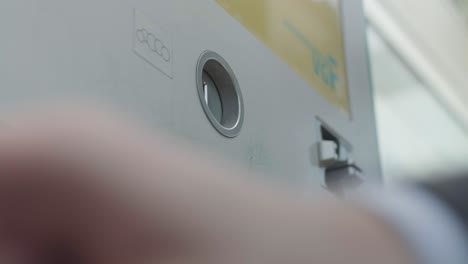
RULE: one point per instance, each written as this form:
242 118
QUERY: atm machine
281 87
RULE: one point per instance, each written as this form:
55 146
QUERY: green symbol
324 66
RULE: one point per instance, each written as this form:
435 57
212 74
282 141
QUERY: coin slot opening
212 97
219 94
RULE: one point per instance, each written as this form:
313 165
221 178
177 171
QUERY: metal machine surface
144 56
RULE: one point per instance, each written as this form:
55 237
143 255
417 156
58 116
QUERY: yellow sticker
306 34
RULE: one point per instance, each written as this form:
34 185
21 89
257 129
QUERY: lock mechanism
341 172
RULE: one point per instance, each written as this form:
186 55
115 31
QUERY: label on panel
306 34
152 43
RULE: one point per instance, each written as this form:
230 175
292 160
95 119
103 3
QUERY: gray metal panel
54 48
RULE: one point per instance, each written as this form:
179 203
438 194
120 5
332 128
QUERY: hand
81 186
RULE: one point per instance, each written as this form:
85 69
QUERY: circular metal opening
220 94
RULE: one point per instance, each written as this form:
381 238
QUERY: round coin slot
220 94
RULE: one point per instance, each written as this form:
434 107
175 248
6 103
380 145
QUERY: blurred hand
81 186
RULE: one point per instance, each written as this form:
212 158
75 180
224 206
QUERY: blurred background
419 63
